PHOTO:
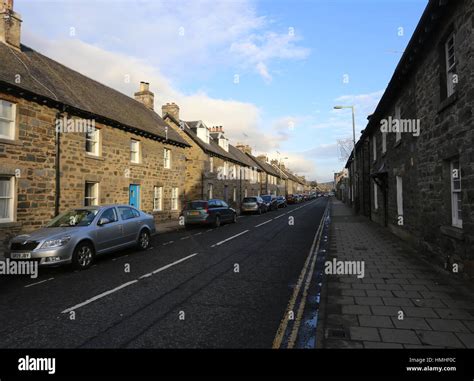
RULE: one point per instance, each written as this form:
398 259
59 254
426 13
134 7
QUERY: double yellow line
305 277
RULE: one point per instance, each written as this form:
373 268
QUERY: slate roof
270 169
61 86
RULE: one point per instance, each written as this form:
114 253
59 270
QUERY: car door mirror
104 221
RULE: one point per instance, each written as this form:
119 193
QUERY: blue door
134 197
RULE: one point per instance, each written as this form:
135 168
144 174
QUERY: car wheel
144 240
259 211
217 222
83 256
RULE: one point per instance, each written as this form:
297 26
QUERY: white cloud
184 38
258 49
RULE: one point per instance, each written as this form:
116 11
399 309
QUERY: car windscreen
267 198
250 199
196 205
72 218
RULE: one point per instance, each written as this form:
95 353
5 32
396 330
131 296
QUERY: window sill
13 142
10 224
137 164
94 157
453 232
448 102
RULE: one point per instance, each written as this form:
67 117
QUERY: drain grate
336 333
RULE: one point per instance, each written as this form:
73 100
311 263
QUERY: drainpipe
57 164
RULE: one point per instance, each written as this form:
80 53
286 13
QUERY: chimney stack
171 109
10 25
245 148
262 158
145 96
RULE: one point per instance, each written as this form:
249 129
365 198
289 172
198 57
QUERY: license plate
20 255
193 213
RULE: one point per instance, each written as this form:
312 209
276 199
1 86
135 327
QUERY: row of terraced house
68 141
413 166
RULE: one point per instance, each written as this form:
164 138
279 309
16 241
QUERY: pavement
403 301
226 287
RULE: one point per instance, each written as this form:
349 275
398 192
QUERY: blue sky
294 60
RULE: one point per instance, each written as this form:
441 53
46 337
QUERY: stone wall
423 162
31 157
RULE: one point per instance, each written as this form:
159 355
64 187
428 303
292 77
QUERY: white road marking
263 223
88 301
100 296
198 233
174 263
183 238
228 239
168 243
281 215
34 284
209 230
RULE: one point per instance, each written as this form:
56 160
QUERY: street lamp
353 136
279 167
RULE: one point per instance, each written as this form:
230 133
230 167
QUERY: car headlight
56 242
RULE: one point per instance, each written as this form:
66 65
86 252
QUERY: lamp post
353 139
279 167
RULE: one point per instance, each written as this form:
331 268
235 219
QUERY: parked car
270 201
281 202
213 212
291 199
254 204
77 236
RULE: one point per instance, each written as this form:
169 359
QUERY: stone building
68 141
414 161
214 168
270 176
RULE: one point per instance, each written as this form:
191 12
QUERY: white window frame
226 169
211 164
245 192
157 198
456 195
397 116
374 147
11 197
384 142
450 67
399 180
174 198
12 121
376 200
137 144
234 194
95 139
210 191
166 158
94 196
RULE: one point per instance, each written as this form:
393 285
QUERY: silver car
78 235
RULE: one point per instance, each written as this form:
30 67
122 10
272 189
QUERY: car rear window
250 199
267 198
196 205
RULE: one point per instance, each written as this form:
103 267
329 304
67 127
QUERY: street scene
220 174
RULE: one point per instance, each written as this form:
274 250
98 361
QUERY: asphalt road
227 287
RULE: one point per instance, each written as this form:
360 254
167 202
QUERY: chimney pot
10 25
171 109
145 96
